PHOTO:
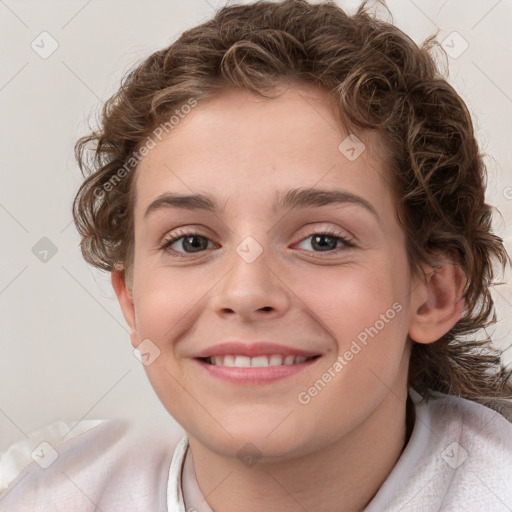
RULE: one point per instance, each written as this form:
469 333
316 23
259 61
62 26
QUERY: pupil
319 242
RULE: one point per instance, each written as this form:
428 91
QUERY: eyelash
183 234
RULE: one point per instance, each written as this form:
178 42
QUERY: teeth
288 360
259 361
228 360
276 360
242 361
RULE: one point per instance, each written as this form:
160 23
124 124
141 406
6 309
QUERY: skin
333 453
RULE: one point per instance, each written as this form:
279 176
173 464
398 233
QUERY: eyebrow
293 198
313 197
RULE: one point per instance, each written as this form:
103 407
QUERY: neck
343 476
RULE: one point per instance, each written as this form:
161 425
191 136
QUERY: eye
186 243
192 242
324 242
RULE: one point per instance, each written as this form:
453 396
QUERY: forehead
237 145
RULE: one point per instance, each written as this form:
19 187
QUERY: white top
459 457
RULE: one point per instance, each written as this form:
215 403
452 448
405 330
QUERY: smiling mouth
237 361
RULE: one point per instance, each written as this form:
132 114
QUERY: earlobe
125 300
437 304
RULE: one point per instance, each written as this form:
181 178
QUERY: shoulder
468 456
117 465
475 444
459 457
482 432
477 447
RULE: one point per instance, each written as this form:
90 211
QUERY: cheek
348 300
166 297
365 310
166 306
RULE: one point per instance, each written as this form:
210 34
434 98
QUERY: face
292 241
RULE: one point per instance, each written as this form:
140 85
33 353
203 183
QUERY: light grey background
65 352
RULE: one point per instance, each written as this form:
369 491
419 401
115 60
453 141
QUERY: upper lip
259 348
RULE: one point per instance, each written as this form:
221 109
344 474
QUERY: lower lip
255 375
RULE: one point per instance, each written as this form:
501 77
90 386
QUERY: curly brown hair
380 80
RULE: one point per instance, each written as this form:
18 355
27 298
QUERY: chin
255 438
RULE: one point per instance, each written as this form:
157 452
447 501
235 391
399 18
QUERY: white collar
174 490
183 493
412 453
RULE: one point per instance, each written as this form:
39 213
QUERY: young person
290 201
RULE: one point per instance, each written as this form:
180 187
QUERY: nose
251 290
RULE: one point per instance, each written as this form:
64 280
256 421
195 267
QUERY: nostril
267 308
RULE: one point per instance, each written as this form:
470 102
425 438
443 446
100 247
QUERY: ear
437 302
125 299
